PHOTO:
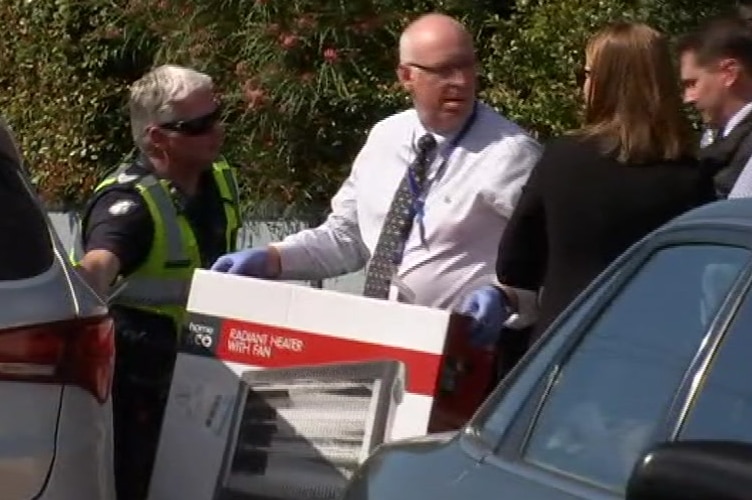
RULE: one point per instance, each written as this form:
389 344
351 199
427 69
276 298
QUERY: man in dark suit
716 72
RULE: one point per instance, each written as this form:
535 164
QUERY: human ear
405 76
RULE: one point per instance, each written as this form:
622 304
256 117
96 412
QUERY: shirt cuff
527 309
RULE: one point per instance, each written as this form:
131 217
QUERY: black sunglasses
195 126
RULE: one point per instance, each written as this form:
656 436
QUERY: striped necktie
397 224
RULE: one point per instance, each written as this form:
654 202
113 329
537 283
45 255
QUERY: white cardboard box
342 374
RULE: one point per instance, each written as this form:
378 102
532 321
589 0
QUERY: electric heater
300 433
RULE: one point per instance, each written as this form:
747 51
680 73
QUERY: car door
43 346
720 405
612 377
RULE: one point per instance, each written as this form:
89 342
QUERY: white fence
253 234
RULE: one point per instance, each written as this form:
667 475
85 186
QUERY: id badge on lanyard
419 193
400 292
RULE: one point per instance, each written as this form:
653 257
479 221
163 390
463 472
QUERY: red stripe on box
275 347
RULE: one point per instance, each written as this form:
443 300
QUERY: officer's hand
253 262
489 308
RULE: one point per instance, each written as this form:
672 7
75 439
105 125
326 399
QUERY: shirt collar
441 139
737 118
420 131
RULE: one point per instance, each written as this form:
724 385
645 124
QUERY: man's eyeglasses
444 70
195 126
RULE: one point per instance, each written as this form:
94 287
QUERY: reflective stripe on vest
230 192
156 192
230 183
162 283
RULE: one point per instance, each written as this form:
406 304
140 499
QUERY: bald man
429 194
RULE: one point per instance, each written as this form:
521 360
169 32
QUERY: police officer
154 220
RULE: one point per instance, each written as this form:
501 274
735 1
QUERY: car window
615 388
505 403
723 406
27 250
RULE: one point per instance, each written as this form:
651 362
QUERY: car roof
737 212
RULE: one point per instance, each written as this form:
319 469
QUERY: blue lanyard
417 192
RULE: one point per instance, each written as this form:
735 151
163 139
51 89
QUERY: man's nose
689 96
459 77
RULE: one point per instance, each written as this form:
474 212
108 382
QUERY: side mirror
693 470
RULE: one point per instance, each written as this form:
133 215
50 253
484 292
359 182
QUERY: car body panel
83 467
439 469
481 464
55 440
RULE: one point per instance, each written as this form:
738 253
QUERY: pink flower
331 55
288 41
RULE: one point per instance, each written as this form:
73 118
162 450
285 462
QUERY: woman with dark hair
596 191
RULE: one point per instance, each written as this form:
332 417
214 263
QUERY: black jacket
727 156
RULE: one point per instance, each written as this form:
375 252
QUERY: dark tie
397 224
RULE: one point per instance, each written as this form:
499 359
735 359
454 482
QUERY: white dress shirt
743 185
466 208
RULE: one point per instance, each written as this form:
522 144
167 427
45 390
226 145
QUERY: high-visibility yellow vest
161 284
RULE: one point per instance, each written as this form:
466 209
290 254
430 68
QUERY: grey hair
152 97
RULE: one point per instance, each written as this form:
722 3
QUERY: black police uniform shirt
119 221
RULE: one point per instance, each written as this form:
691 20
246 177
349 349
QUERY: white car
56 357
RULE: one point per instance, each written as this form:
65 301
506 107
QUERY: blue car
654 359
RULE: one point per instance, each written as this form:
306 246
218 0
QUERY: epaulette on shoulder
122 175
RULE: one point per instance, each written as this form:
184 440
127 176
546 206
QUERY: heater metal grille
299 433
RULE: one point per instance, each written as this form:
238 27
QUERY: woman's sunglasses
195 126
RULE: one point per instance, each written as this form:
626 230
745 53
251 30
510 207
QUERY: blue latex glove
489 308
251 262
